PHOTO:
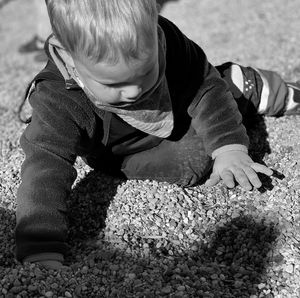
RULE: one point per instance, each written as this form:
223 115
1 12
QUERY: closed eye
122 84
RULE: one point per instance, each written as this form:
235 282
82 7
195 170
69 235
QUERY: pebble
289 268
32 288
166 290
68 294
84 269
261 286
49 294
180 288
4 291
238 283
131 275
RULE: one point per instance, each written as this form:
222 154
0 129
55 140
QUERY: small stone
238 284
194 248
84 269
214 276
91 263
49 294
4 291
261 286
289 268
54 285
68 294
38 273
131 275
32 288
166 290
278 259
180 288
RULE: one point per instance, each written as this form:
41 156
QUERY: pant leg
182 162
256 90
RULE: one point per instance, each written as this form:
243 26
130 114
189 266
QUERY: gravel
148 239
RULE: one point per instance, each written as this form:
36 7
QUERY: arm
50 143
195 85
213 110
216 118
215 115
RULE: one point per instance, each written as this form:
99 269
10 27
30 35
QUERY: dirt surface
248 243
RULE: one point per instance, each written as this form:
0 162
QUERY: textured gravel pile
148 239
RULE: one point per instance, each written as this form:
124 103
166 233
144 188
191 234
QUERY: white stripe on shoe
264 94
237 77
291 104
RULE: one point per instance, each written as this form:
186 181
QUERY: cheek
103 94
151 81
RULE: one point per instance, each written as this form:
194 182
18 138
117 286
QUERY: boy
127 91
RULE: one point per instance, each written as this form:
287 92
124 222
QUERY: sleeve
50 143
191 78
215 115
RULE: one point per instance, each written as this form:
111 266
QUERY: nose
131 92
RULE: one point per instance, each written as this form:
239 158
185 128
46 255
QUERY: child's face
122 83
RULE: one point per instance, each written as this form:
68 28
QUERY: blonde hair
103 29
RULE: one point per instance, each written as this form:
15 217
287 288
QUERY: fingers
213 180
252 176
245 176
228 179
259 168
242 178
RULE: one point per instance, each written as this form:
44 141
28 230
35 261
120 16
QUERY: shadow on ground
231 264
88 204
259 147
7 224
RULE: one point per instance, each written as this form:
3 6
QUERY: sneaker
36 44
293 100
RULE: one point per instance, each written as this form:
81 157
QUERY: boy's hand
237 165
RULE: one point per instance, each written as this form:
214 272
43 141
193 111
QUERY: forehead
119 72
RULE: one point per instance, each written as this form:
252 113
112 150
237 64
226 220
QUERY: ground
149 239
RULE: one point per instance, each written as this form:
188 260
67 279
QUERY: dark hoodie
65 124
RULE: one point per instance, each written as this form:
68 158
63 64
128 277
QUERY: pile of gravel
148 239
